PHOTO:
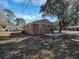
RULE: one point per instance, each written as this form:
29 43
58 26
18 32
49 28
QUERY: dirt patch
42 47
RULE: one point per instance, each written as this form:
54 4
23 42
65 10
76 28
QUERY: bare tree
11 18
20 21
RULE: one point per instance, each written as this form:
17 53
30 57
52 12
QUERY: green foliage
66 11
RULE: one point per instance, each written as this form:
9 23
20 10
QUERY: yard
16 35
42 46
5 33
11 35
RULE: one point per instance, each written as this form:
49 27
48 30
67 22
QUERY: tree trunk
60 29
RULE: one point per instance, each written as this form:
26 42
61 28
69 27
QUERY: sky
28 11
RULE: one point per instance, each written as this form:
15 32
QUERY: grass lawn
10 35
5 33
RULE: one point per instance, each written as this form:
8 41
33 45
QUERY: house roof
43 21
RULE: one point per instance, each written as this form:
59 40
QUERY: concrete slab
71 32
55 34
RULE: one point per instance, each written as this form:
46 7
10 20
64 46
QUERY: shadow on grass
17 35
21 35
14 35
61 46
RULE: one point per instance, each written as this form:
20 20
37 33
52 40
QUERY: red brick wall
28 29
35 28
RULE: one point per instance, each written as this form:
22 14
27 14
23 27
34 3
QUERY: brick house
38 27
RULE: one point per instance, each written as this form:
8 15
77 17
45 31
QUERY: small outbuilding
38 27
